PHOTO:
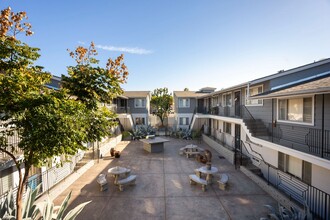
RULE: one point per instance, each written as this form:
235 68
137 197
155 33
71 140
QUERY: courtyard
162 189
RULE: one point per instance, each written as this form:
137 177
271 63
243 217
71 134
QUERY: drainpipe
248 91
272 120
247 96
322 135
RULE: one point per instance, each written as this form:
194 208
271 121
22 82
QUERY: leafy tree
186 89
49 123
91 85
161 102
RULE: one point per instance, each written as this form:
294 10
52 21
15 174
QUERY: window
298 168
290 164
296 110
254 91
227 99
184 120
215 101
184 103
139 103
139 121
227 127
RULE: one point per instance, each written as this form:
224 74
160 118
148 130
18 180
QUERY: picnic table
117 171
191 149
208 172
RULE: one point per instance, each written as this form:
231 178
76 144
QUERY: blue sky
182 43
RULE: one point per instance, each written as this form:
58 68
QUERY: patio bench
223 181
128 172
182 150
195 179
102 181
128 180
190 153
200 149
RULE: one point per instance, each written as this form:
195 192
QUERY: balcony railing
236 111
304 194
309 140
118 109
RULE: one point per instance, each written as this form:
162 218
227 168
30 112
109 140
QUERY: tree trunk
20 191
19 202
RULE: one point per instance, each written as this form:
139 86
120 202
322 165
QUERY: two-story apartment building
139 104
185 105
281 123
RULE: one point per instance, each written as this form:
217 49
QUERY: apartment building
185 105
278 124
281 123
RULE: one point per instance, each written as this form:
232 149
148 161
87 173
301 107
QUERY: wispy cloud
81 42
133 50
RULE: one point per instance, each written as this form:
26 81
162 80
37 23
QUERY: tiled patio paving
163 191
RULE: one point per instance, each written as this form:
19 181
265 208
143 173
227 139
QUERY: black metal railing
316 200
235 111
123 110
318 141
275 132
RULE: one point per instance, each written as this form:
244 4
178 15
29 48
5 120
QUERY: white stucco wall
320 178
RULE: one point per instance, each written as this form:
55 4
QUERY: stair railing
248 119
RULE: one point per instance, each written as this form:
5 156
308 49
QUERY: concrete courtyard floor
162 189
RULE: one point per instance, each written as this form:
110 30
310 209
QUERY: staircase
256 127
254 169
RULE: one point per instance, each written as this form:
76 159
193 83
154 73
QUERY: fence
50 177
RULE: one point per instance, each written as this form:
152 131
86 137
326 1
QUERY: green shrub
125 135
195 134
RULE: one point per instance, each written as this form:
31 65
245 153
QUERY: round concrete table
117 171
209 173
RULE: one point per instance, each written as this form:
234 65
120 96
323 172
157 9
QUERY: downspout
248 91
322 135
273 124
247 97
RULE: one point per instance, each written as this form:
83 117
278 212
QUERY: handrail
244 109
192 118
308 193
242 142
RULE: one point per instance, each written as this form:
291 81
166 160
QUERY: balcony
118 109
302 138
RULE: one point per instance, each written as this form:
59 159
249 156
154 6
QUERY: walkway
162 189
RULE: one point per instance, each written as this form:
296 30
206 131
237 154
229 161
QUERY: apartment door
237 136
237 100
238 151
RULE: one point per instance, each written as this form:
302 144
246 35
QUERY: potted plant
117 154
112 152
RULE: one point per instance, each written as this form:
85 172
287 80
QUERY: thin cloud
132 50
81 42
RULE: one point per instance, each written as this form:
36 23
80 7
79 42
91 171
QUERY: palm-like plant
44 210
